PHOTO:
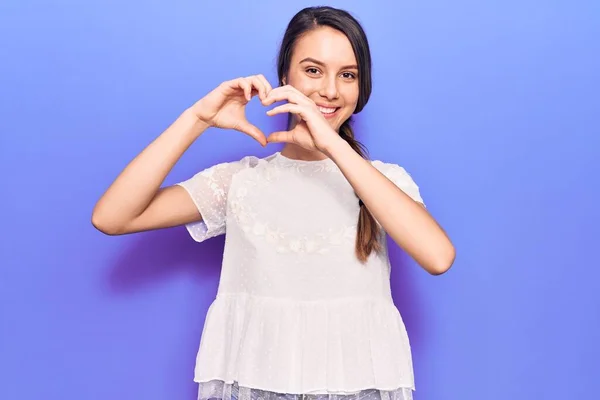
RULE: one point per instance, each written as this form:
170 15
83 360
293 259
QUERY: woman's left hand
312 132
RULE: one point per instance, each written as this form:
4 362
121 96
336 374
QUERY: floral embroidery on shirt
284 242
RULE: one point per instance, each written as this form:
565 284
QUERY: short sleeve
401 178
209 189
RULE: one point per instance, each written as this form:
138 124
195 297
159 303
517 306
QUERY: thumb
251 130
281 136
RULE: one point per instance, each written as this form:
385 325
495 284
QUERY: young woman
304 305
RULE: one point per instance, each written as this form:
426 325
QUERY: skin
135 201
324 69
330 78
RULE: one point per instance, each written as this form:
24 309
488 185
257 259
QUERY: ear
283 81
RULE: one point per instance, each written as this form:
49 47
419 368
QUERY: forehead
325 44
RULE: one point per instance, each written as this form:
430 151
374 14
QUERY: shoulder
222 172
235 165
390 169
400 177
246 161
250 161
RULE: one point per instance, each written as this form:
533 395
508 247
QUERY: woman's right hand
225 106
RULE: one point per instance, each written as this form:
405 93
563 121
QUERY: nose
329 88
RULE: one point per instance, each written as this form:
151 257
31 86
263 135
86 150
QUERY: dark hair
308 19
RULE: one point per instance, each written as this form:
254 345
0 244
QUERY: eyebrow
321 63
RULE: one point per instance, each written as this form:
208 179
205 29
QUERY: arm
134 201
406 221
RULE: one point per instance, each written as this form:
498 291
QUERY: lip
327 105
331 115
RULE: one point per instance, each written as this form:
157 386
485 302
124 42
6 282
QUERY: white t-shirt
296 311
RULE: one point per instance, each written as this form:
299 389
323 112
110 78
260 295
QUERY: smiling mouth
328 112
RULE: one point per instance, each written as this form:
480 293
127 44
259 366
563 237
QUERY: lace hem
219 390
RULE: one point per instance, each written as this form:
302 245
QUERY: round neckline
294 161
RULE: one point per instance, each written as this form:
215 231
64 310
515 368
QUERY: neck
291 150
297 152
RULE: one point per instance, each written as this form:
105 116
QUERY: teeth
327 110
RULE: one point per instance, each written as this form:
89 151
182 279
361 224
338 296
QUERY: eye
312 70
349 75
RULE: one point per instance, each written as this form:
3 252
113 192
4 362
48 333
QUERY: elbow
443 261
103 225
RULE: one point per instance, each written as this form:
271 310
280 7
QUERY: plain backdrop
492 106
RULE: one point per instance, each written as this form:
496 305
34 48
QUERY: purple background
491 106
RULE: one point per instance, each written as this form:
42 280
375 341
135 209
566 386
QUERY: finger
281 137
232 86
268 86
251 130
287 108
245 85
286 93
279 94
260 87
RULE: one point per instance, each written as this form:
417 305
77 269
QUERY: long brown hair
368 232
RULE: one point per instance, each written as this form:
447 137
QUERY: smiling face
324 68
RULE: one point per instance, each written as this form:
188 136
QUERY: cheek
306 86
350 96
301 83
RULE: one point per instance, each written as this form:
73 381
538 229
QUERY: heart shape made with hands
311 131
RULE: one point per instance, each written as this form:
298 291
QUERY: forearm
135 187
407 222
